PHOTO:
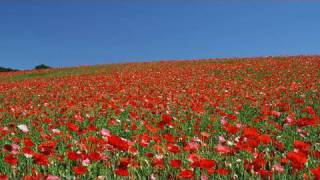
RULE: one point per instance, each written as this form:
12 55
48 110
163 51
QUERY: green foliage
42 66
4 69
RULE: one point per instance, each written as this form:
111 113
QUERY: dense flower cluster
204 119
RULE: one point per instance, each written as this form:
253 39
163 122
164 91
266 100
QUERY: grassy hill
248 118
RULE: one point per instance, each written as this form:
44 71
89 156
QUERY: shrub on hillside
42 66
4 69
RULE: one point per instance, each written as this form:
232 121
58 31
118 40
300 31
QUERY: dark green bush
42 66
4 69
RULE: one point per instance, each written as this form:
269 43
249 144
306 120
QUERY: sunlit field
254 118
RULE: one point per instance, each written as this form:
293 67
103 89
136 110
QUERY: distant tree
42 66
4 69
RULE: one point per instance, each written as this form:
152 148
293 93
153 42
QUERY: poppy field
255 118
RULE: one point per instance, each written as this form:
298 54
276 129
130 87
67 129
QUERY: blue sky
71 33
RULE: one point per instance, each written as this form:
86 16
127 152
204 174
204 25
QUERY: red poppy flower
265 174
168 137
250 133
40 159
265 139
93 139
222 171
173 148
27 150
185 174
11 159
259 163
73 156
166 120
230 128
305 122
158 162
72 127
207 164
297 159
316 154
301 146
79 170
28 142
118 143
94 156
175 163
4 177
46 147
122 172
316 172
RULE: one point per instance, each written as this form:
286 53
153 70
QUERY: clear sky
70 33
